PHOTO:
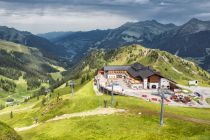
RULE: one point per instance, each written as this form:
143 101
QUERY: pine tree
11 115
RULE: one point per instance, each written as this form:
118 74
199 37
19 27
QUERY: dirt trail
98 111
109 111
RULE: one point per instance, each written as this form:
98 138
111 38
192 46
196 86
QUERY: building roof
136 70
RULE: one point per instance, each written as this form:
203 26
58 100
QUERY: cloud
202 15
40 20
55 15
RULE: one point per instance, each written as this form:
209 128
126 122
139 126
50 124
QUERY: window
154 86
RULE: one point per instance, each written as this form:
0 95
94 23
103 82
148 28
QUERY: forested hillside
23 71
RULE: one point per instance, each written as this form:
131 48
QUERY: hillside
29 39
52 36
7 133
77 44
171 66
141 118
24 69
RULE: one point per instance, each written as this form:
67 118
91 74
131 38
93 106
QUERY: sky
40 16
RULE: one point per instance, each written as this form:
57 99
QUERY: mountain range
190 40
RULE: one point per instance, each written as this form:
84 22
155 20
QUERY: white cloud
202 15
133 1
63 15
62 20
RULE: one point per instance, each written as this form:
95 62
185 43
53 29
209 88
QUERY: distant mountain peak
194 21
194 25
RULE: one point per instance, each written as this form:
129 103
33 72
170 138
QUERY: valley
26 69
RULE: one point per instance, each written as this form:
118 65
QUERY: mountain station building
137 76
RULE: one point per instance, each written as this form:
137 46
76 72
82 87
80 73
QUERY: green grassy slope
7 133
118 127
180 123
10 46
129 125
171 66
25 58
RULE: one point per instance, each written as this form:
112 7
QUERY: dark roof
137 66
136 70
106 68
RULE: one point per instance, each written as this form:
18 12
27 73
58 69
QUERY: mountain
52 36
170 66
131 33
77 44
28 39
190 40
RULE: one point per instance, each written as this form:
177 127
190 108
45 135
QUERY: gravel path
98 111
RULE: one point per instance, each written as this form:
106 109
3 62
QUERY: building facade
137 76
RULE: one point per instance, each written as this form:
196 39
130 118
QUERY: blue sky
39 16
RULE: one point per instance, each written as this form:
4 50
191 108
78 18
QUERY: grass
130 125
56 75
208 100
60 69
20 91
118 127
7 133
9 46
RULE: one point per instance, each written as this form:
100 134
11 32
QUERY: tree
2 106
11 115
37 97
43 101
58 97
82 80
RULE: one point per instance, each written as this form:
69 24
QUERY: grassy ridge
168 65
10 46
7 133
